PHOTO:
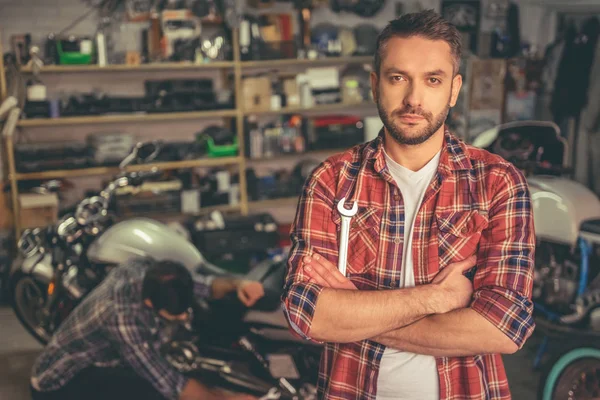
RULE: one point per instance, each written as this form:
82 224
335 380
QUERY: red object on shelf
336 120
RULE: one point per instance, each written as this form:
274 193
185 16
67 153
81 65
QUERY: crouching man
108 347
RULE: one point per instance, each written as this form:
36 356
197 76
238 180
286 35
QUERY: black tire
560 373
15 282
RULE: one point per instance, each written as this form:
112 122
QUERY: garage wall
39 17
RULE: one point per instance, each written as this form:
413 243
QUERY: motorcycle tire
15 280
558 378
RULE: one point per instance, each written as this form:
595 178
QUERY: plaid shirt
112 328
476 202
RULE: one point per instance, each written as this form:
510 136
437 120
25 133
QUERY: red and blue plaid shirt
477 202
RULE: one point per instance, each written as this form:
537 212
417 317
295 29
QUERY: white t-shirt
403 375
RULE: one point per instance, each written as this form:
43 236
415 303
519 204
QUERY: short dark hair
427 24
169 286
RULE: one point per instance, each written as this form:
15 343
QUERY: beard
404 136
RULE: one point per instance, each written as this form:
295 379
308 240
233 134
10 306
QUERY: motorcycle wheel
27 298
574 375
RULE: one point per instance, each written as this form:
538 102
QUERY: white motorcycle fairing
559 207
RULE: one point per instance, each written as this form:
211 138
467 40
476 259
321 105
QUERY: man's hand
455 284
249 292
324 273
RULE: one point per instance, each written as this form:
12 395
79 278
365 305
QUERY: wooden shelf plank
110 119
65 173
172 215
57 69
306 62
202 162
288 156
191 66
370 106
271 203
71 173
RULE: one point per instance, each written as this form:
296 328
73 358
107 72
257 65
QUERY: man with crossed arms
405 322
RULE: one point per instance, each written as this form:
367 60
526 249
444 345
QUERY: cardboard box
290 88
38 210
256 93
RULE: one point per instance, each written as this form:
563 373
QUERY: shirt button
392 283
464 230
397 197
397 240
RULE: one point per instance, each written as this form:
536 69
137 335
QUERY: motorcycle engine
513 147
556 277
181 355
79 283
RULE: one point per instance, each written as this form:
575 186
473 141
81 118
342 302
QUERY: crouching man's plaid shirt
112 328
477 202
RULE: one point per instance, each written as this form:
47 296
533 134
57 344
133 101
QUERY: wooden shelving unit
238 67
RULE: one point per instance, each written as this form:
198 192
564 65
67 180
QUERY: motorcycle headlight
30 242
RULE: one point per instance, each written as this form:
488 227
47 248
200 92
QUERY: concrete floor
18 352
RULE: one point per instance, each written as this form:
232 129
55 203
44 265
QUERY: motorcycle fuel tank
560 206
143 237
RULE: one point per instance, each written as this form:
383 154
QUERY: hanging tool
345 232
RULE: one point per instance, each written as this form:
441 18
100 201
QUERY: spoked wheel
28 299
574 376
581 380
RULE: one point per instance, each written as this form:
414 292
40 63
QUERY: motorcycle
58 265
566 287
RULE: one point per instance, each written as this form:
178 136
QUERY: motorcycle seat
590 230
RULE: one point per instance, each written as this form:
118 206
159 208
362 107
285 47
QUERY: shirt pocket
363 239
459 233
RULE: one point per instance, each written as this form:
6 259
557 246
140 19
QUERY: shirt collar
454 156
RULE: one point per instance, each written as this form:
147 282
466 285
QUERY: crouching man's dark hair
169 287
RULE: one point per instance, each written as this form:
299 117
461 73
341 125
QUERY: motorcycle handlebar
93 209
129 179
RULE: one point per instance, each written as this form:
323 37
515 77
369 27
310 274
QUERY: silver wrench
345 233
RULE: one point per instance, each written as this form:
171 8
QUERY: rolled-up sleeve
313 230
136 346
505 261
